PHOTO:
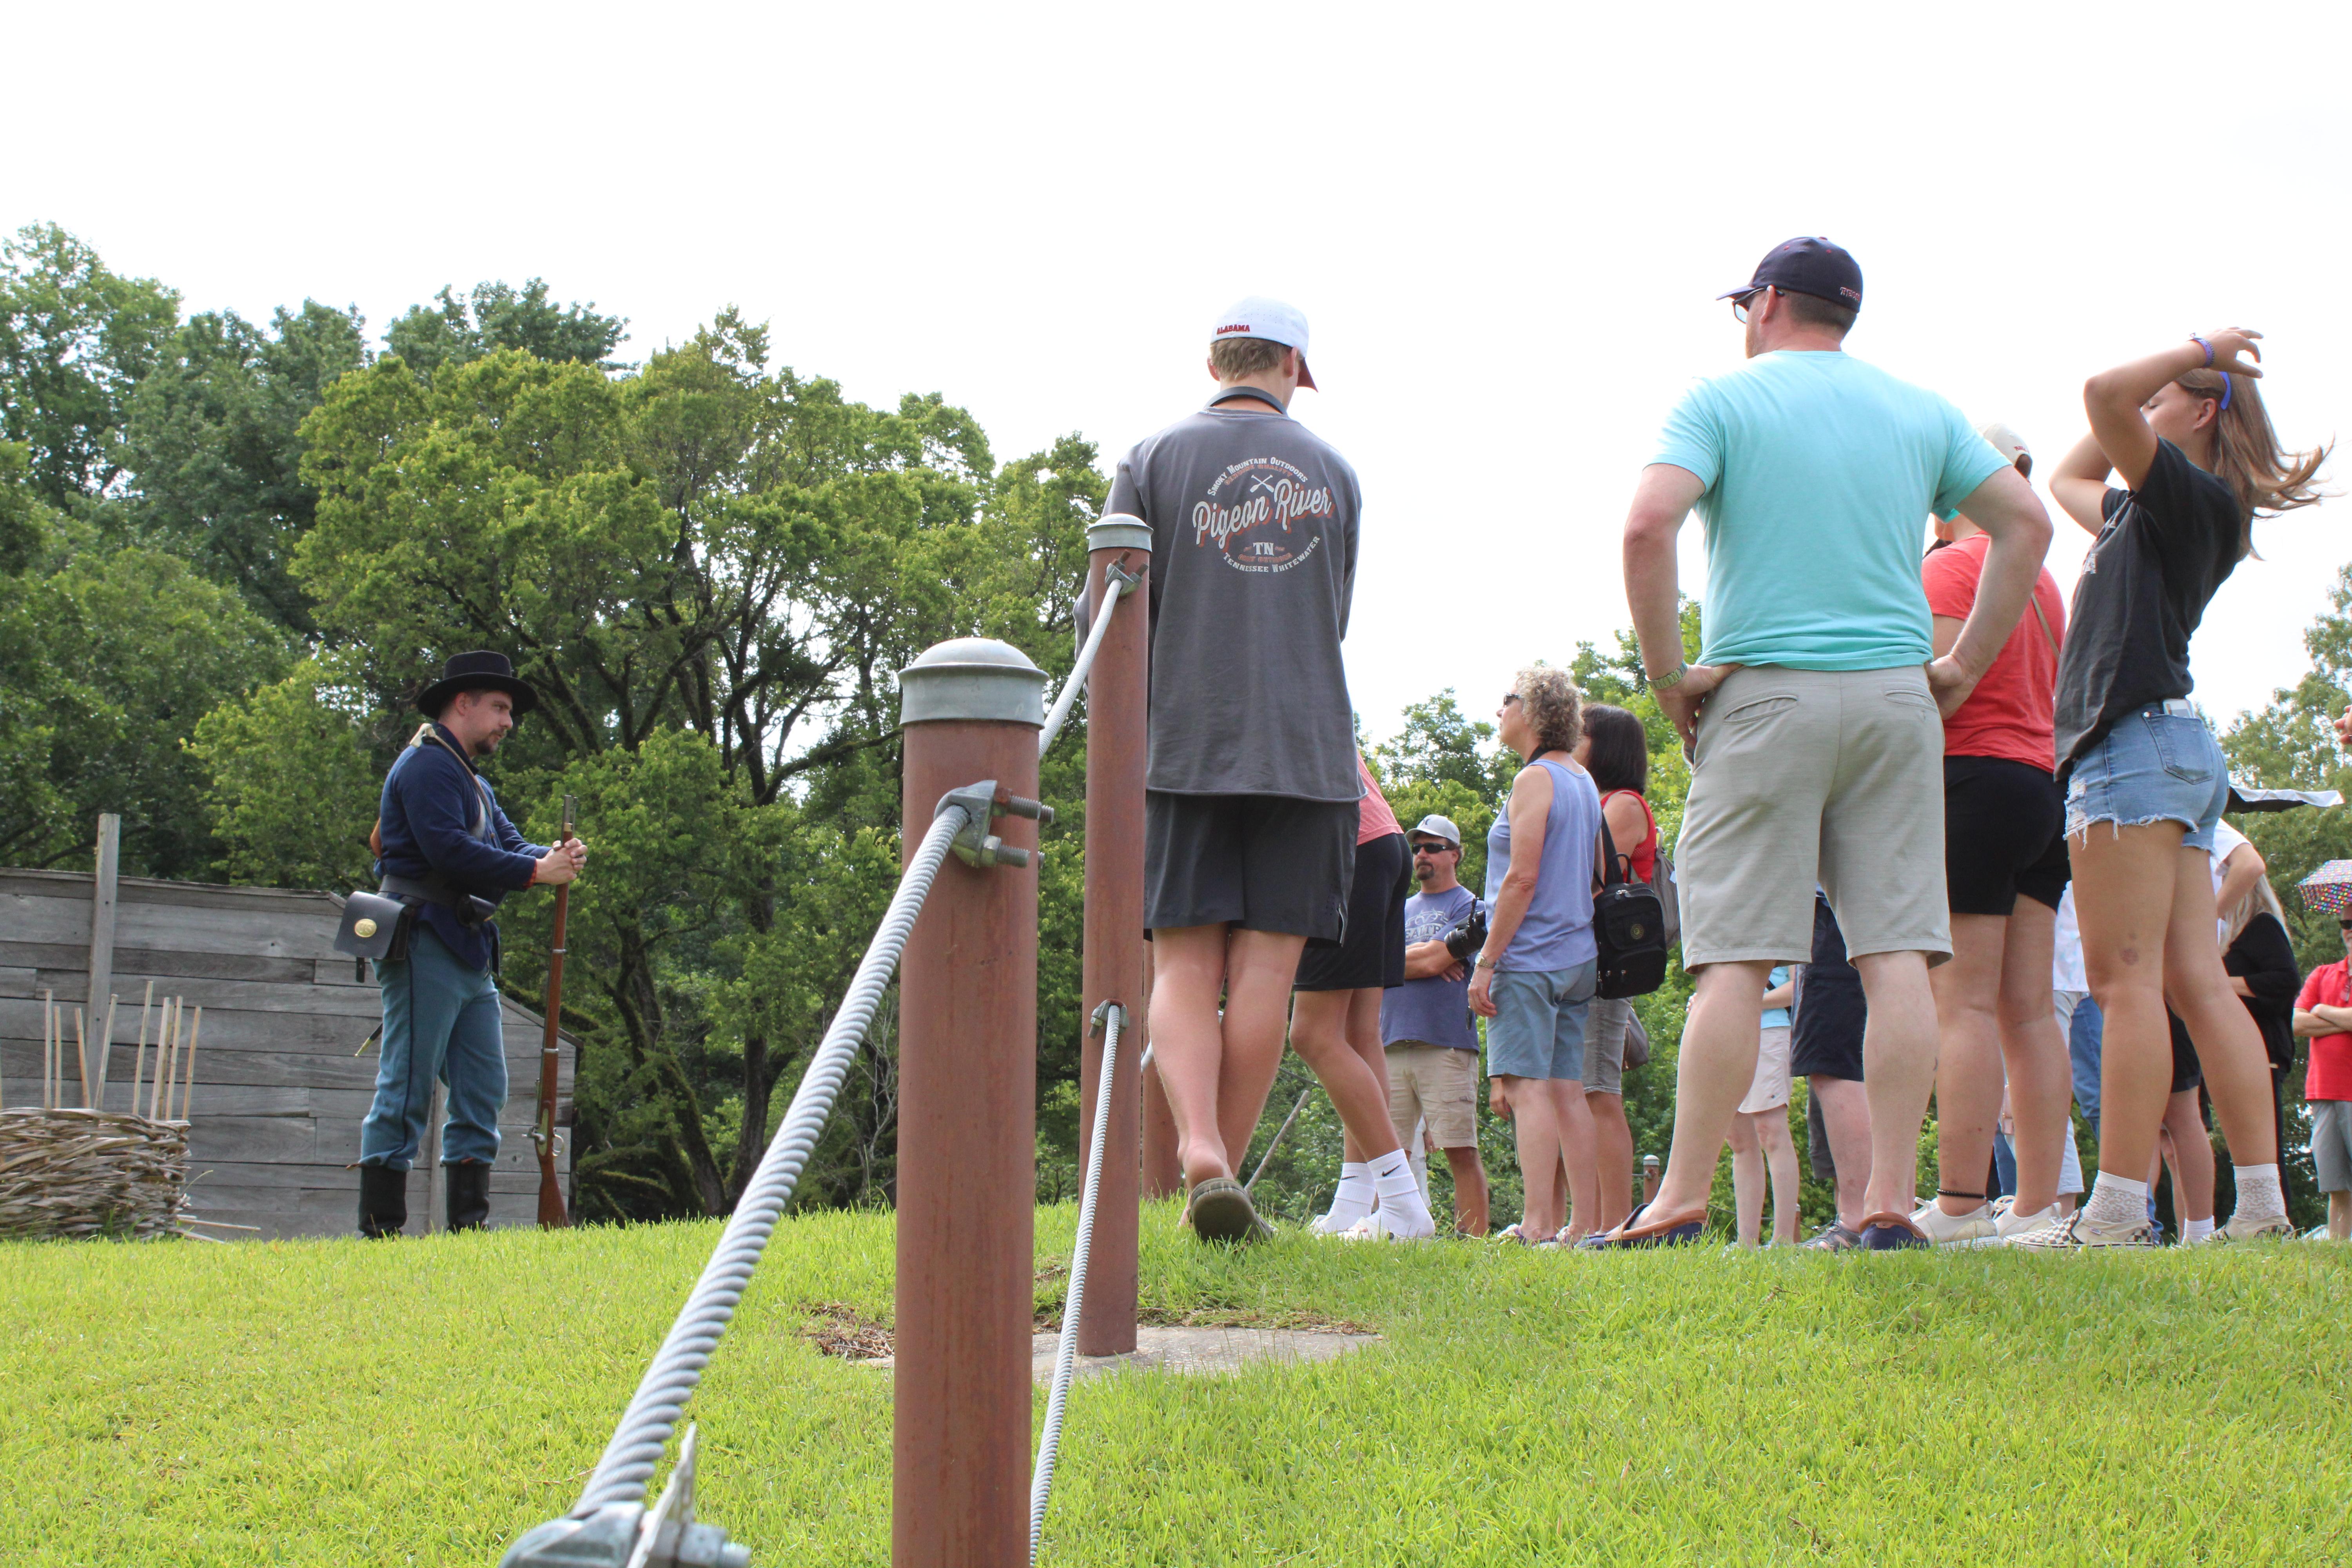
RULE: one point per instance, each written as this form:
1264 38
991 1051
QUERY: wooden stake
172 1074
105 1051
81 1054
195 1031
155 1083
139 1062
48 1049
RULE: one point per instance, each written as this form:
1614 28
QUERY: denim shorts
1537 1030
2158 764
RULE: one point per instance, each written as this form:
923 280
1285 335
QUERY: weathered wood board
281 1077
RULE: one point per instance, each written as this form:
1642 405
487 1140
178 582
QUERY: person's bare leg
2192 1157
1967 1059
1747 1179
1612 1158
2229 1046
1781 1160
1318 1024
1470 1191
1575 1119
2339 1217
1719 1061
1259 967
1845 1117
1898 1072
2123 897
1364 1038
1188 1042
2033 1054
1535 1124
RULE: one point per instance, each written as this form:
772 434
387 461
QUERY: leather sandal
1220 1210
1641 1230
1889 1232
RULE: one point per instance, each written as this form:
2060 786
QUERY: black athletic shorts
2188 1072
2004 834
1825 1032
1371 952
1262 862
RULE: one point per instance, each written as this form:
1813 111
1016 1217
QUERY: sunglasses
1427 848
1739 305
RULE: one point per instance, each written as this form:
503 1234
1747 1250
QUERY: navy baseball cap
1807 265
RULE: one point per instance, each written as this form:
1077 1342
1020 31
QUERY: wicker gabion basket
72 1173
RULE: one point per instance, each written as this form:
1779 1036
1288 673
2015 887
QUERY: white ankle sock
1354 1199
2196 1229
2116 1200
2260 1195
1403 1210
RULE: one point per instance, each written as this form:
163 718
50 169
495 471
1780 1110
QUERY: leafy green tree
455 331
76 340
216 447
115 655
293 781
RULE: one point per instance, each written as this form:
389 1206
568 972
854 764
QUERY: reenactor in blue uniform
448 854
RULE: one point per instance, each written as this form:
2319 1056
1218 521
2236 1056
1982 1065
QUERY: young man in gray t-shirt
1250 813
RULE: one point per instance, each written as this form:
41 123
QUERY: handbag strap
2034 603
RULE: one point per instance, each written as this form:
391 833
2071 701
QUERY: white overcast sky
1506 225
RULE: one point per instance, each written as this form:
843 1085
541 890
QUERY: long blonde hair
2247 456
2259 900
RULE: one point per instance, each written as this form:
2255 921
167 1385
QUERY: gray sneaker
2244 1227
2076 1233
1833 1237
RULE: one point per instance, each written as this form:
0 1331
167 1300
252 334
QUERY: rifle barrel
551 1212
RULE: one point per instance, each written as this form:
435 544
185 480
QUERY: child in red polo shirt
2322 1015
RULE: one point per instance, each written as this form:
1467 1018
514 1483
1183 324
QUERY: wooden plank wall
280 1092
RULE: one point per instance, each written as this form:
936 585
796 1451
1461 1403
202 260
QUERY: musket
552 1214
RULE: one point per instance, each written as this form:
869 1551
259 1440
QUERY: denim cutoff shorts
1537 1030
2158 764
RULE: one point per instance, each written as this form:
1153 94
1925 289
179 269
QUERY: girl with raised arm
2145 781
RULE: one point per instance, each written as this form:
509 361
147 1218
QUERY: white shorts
1769 1088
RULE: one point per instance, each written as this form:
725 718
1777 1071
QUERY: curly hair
1553 706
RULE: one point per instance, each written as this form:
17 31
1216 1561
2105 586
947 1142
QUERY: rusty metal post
1118 735
967 1128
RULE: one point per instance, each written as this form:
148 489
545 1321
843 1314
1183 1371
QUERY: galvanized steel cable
1041 1478
628 1460
1123 585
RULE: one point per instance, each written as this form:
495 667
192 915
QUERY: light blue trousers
440 1020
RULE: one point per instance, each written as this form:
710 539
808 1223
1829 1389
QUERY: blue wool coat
433 804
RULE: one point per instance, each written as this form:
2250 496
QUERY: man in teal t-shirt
1814 716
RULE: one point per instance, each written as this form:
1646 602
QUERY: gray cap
1438 827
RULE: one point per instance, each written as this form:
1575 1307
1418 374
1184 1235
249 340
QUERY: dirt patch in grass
837 1330
1246 1318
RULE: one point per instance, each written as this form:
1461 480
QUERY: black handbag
374 927
1629 926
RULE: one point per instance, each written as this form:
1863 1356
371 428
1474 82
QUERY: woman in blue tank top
1535 977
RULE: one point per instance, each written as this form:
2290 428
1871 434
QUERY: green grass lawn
351 1404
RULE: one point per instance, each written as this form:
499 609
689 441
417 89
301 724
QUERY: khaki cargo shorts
1806 776
1438 1083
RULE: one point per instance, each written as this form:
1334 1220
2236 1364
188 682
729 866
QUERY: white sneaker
1339 1220
1979 1223
2077 1233
2245 1227
2012 1224
1393 1225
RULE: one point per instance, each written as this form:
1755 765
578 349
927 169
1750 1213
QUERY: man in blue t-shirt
1813 716
1433 1050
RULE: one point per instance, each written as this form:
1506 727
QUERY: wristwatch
1670 679
1484 962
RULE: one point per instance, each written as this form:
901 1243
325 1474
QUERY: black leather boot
469 1195
383 1200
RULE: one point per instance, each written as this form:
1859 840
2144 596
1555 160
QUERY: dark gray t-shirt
1254 528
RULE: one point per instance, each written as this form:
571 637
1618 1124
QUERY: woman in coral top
2005 870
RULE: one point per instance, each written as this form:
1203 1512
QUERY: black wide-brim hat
479 671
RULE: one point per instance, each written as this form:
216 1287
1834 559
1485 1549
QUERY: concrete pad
1195 1352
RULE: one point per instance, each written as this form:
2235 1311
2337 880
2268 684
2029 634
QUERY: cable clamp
981 803
1129 582
1100 1018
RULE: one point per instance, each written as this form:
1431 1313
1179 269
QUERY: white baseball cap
1259 317
1437 827
2006 442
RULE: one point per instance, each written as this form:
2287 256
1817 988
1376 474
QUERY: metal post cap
973 678
1120 531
